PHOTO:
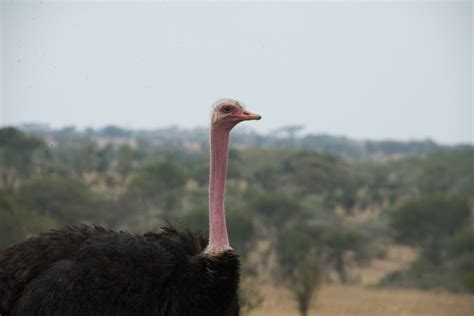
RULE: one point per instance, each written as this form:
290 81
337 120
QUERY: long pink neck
218 239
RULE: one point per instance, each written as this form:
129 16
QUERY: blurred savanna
322 231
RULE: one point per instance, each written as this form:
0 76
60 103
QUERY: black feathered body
84 270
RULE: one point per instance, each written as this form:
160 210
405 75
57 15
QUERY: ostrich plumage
90 270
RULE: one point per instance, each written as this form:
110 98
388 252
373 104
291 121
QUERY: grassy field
337 300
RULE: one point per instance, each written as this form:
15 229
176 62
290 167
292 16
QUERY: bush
429 221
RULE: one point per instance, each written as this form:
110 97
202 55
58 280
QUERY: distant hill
287 138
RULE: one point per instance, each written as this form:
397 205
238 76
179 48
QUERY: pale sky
366 70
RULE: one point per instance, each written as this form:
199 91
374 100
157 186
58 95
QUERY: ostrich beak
249 116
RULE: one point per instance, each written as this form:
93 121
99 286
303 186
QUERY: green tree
18 222
318 173
267 177
276 209
299 263
428 221
450 172
241 231
461 243
235 166
17 156
339 245
127 159
305 280
105 156
196 220
158 187
114 132
460 253
67 201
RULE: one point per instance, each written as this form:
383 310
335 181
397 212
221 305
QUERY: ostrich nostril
246 113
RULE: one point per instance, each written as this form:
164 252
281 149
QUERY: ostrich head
225 115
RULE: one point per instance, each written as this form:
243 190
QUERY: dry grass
338 300
397 257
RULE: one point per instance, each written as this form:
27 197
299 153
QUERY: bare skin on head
225 115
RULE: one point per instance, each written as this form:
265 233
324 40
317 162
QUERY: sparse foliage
299 263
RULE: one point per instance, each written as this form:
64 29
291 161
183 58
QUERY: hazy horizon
363 70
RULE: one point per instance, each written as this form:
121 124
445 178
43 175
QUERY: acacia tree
428 222
299 263
339 243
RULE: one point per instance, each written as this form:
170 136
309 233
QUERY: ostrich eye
227 109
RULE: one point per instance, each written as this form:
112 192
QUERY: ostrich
90 270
